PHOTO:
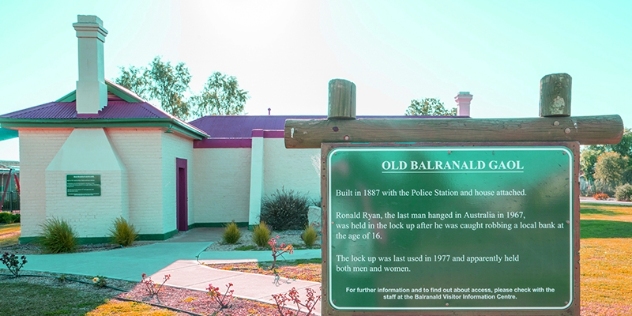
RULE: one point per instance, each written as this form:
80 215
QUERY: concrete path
181 257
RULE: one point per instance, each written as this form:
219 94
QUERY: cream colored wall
140 152
221 180
87 151
174 146
37 149
289 168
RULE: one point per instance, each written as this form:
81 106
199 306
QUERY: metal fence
11 201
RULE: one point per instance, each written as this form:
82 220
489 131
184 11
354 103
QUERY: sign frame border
571 309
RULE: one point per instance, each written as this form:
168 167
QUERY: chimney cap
92 19
90 26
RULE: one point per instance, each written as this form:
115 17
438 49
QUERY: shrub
624 192
309 236
123 233
285 210
231 233
261 234
57 236
6 218
601 196
16 218
13 263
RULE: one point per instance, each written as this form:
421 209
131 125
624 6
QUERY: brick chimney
92 93
463 100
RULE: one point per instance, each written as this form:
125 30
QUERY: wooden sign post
451 216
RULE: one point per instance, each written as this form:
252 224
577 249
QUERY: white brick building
101 152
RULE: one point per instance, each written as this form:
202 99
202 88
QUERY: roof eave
166 123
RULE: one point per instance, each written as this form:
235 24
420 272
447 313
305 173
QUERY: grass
304 269
606 274
35 299
114 307
606 258
9 234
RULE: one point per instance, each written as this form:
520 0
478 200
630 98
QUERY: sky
285 52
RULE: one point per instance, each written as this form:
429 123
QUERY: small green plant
222 299
624 192
123 233
261 234
278 250
601 196
6 218
309 236
57 236
293 297
12 263
99 281
285 210
152 288
231 233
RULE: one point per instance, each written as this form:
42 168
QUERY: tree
610 170
168 85
221 96
429 107
588 159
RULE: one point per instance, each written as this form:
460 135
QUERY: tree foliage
221 96
429 107
588 159
168 85
610 171
590 155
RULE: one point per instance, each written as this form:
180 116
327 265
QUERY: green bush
57 236
16 218
309 236
123 233
285 210
624 192
231 233
261 234
6 218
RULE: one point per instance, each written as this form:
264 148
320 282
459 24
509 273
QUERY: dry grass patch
286 270
114 307
606 212
605 270
9 234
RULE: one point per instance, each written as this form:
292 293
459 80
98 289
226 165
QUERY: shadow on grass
597 211
605 229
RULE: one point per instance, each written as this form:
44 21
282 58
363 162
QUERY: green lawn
34 299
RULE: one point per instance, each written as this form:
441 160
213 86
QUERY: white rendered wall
87 151
289 168
174 147
37 149
221 180
256 180
140 151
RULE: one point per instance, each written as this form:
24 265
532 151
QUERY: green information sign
450 228
83 185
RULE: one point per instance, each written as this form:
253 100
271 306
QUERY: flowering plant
13 264
99 281
278 250
222 299
152 288
292 297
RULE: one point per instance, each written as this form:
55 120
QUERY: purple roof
241 126
68 110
